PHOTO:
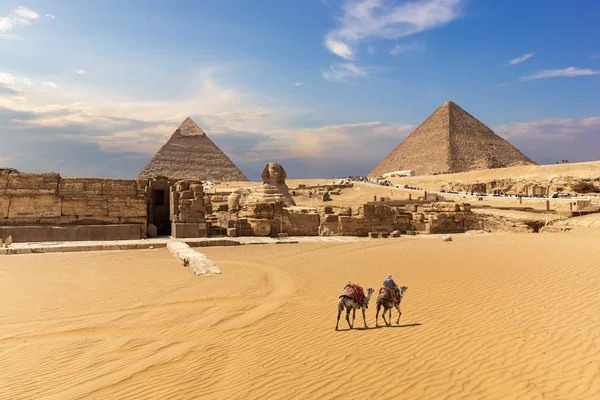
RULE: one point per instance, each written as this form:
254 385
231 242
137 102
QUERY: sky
326 88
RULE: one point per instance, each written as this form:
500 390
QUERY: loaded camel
352 298
388 298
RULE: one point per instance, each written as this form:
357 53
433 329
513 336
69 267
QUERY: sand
500 316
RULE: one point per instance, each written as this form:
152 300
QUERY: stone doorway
160 207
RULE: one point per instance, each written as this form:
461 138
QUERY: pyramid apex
189 128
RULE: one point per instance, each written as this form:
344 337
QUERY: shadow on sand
361 328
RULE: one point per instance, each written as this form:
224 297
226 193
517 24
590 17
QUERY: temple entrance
160 207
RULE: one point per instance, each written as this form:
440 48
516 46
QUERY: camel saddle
354 291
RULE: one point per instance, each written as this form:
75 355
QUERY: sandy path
502 316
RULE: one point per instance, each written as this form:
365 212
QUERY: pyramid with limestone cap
449 141
190 154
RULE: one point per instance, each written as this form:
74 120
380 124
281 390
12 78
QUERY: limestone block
4 202
133 220
395 234
231 232
184 230
62 220
32 184
20 221
152 231
117 232
198 263
97 220
259 210
298 224
127 207
441 206
22 234
34 206
80 187
329 225
119 187
260 227
446 238
193 217
84 206
64 234
142 184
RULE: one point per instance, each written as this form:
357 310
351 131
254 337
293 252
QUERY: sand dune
485 316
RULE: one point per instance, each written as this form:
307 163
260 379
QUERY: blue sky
324 87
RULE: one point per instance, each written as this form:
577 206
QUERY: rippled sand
492 316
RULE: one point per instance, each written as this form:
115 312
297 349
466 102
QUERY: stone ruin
269 210
48 207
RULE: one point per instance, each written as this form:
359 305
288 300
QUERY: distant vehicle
555 195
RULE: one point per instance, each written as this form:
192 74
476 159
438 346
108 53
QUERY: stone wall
270 219
187 210
48 207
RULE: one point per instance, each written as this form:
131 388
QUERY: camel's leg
383 315
353 315
377 315
348 317
399 314
390 317
340 308
364 317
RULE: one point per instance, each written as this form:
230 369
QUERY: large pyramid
451 140
190 154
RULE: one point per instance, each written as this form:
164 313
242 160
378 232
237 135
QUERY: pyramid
190 154
451 140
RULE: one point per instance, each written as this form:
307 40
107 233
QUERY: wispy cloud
50 16
8 87
524 57
594 57
554 73
364 19
49 85
297 83
80 71
343 72
550 140
371 50
406 47
339 48
21 16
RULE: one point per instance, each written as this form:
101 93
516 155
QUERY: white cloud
21 16
338 48
8 88
550 129
50 16
371 50
342 72
567 72
594 57
298 84
49 85
80 71
524 57
403 48
363 19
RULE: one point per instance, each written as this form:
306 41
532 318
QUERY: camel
388 298
350 303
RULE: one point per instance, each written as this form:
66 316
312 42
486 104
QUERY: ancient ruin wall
48 207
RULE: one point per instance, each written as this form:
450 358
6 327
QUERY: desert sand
500 316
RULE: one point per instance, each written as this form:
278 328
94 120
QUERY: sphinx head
273 174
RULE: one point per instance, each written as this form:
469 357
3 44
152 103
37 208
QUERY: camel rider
388 282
